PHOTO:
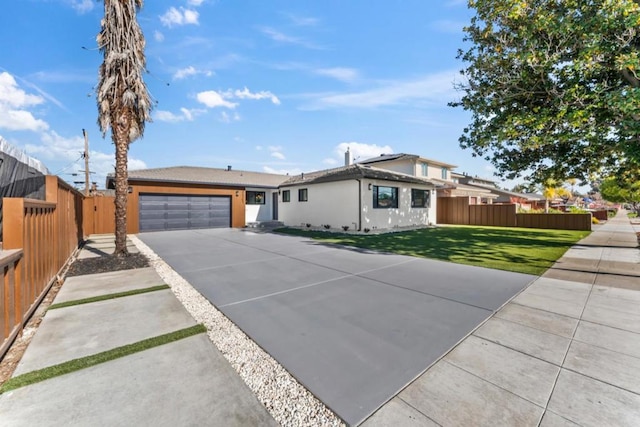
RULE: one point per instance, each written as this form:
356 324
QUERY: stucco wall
264 212
403 166
333 203
336 204
404 215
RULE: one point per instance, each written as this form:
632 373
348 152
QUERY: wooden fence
39 238
99 215
457 210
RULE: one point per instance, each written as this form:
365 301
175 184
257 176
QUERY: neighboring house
524 201
359 197
438 172
185 197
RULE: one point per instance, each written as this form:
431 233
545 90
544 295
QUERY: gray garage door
173 212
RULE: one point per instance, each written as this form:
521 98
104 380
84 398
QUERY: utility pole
86 163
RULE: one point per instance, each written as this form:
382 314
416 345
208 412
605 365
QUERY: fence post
13 223
51 188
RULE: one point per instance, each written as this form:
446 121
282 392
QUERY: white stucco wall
403 166
336 204
333 203
253 213
402 216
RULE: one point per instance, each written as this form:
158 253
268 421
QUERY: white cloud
185 115
280 37
276 151
175 17
213 99
302 21
247 94
360 151
339 73
434 89
13 101
82 6
258 147
294 171
190 71
195 2
228 118
158 36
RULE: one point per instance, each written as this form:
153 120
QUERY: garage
159 212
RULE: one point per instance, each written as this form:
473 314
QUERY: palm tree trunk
121 141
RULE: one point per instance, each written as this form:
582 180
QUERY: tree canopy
621 190
553 86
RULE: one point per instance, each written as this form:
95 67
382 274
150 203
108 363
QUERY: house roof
404 156
201 175
355 171
477 190
501 192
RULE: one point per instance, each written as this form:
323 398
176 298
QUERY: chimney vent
347 157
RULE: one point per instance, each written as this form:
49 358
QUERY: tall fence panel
493 215
559 221
452 210
99 215
44 234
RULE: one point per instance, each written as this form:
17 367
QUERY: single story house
524 201
185 197
357 196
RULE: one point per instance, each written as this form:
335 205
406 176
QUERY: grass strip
522 250
108 297
96 359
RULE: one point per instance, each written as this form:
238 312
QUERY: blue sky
274 86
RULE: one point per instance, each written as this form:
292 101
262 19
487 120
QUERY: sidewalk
181 382
564 352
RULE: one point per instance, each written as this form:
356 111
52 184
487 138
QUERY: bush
327 226
632 214
574 209
345 227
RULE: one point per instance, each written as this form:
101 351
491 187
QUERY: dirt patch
101 264
106 263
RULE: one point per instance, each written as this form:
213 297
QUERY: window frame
394 197
301 192
424 168
286 196
426 198
444 172
255 193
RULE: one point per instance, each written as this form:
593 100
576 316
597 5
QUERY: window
286 196
425 169
385 197
255 197
444 173
303 195
420 198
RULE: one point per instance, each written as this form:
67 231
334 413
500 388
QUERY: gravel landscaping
290 403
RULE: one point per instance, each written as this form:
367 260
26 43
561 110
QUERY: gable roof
404 156
355 171
201 175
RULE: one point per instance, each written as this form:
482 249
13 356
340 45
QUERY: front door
275 205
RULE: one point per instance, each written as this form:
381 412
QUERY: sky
279 86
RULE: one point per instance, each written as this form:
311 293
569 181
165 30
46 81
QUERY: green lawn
523 250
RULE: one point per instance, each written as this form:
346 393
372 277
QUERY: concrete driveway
354 326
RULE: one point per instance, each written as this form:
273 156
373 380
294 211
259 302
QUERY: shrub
366 230
632 214
345 227
327 226
308 225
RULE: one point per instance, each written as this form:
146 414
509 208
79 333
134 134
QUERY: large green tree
124 104
621 189
552 86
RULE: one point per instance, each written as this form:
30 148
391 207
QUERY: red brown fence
99 215
38 239
457 210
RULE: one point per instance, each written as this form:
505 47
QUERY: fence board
45 234
558 221
99 215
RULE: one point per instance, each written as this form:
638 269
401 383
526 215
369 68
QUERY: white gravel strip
288 401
